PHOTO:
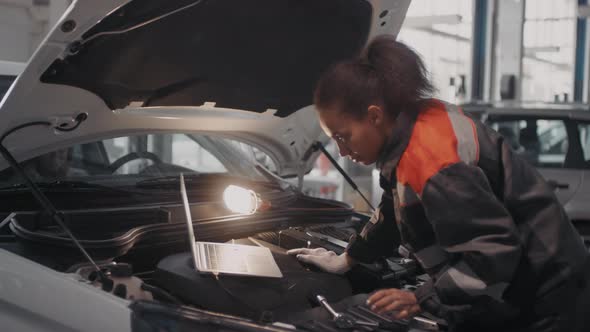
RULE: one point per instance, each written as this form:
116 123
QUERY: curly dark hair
388 73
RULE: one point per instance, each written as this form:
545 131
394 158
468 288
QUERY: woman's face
359 139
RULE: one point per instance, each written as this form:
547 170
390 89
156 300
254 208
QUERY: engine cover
252 297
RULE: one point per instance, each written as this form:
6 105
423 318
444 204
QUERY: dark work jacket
480 220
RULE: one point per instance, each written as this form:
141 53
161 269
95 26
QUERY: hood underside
251 55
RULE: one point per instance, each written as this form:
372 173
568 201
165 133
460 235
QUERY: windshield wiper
166 180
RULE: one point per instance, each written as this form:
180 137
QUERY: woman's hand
324 259
398 303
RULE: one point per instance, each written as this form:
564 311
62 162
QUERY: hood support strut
41 197
319 146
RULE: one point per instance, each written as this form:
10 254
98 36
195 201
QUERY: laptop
225 258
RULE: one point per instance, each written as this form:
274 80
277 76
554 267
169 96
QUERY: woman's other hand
398 303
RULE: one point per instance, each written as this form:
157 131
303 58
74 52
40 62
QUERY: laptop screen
189 221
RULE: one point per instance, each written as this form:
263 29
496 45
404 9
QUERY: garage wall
16 33
24 23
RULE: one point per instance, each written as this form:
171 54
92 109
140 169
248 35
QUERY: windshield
129 159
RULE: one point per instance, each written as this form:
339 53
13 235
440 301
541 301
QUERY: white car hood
236 68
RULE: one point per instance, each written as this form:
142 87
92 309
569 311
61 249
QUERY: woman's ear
376 115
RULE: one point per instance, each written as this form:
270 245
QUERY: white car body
264 130
36 298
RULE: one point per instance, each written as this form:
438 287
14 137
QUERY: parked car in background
556 139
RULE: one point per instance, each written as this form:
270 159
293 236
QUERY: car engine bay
145 255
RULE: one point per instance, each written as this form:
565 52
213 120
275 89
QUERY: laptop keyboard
224 258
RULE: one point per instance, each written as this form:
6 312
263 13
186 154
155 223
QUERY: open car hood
243 69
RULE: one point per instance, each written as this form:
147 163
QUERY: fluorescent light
413 22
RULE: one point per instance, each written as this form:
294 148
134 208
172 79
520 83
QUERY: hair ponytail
387 72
